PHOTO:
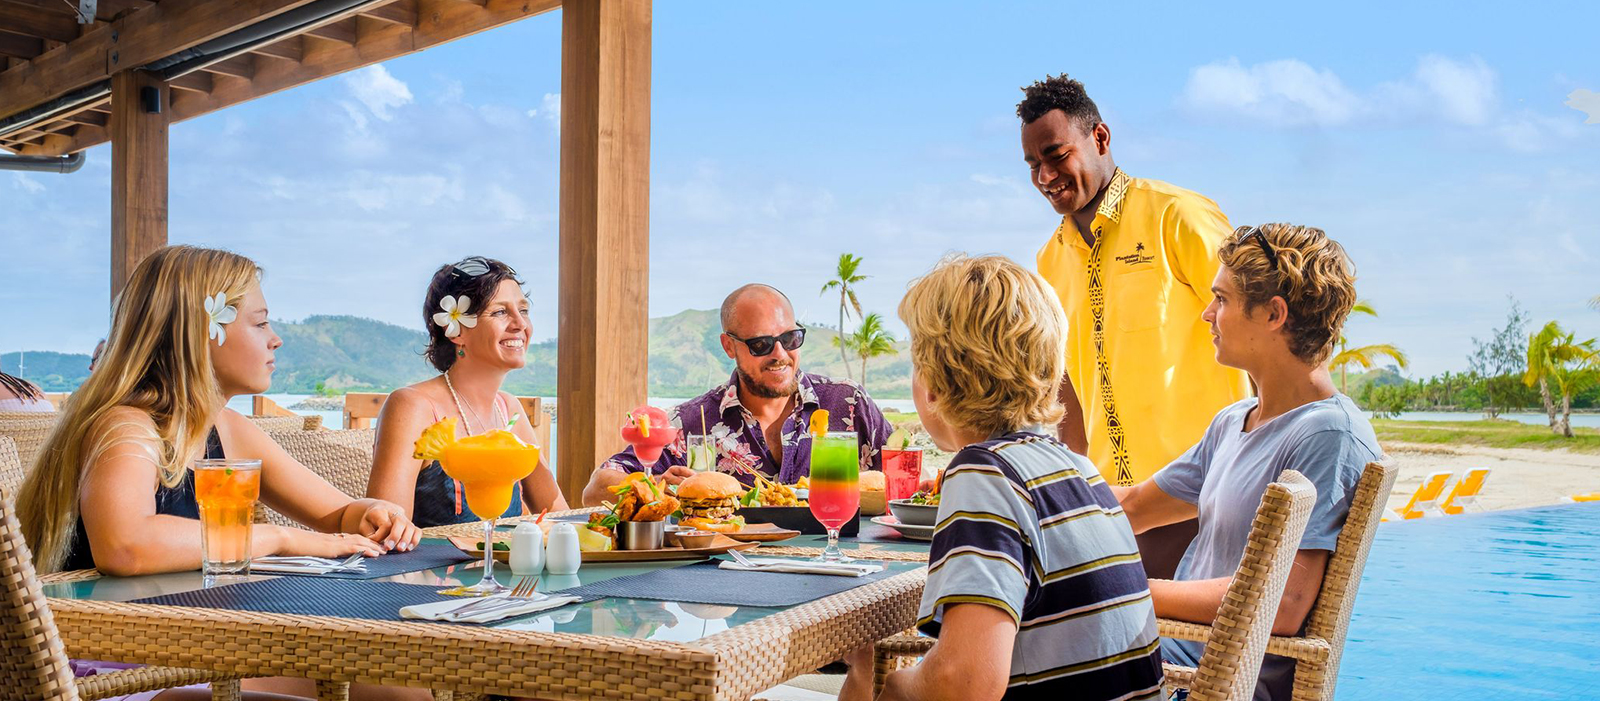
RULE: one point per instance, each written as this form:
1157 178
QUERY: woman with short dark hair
478 329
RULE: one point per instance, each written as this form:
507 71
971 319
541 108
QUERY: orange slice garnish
819 422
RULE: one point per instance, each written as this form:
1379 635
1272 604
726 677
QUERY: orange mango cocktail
487 465
226 492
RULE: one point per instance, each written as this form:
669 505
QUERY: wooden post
138 173
605 229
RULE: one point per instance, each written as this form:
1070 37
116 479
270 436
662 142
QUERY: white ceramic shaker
527 549
562 555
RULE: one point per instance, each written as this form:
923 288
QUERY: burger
708 500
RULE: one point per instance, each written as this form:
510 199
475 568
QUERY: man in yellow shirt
1132 262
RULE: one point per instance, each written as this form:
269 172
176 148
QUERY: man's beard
765 392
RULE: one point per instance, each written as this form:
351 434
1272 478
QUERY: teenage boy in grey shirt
1282 295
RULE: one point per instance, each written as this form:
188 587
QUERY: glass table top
621 617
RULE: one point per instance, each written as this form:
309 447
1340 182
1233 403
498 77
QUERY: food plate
719 545
908 530
762 533
914 514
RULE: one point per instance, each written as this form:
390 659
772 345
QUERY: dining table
712 643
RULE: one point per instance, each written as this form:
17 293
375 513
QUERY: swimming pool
1501 605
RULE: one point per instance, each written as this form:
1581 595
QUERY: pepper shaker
527 549
562 554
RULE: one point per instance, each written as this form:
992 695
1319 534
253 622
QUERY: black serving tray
797 518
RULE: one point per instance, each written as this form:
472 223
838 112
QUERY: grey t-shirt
1224 475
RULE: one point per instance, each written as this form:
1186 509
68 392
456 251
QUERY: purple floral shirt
738 433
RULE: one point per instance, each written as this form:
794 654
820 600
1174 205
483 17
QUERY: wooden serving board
763 533
719 545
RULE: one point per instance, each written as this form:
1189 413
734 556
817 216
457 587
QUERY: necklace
462 409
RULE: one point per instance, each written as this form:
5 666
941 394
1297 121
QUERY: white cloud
377 90
1587 102
26 183
1463 91
1280 93
549 109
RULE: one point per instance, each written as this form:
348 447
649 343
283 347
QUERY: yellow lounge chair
1423 502
1465 493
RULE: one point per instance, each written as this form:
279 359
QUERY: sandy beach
1520 477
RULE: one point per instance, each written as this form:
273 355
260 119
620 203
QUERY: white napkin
493 611
305 565
838 569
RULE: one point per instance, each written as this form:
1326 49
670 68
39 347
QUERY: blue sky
1454 156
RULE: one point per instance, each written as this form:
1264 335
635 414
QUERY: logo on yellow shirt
1137 257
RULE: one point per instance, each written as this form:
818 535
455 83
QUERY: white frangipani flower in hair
454 315
221 314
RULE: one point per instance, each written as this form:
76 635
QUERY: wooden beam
20 46
290 49
105 10
138 174
38 22
343 31
241 66
198 81
398 12
132 41
605 228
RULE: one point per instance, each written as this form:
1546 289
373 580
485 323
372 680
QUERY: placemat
705 583
312 596
426 557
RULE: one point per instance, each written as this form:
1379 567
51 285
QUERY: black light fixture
150 99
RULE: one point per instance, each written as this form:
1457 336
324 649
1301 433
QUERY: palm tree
1364 356
1556 357
869 340
1594 303
845 279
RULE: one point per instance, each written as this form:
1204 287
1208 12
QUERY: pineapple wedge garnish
431 445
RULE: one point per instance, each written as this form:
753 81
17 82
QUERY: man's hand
677 473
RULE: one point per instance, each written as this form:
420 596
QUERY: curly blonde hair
988 338
1312 273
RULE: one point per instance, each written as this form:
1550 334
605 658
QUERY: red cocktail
648 431
835 496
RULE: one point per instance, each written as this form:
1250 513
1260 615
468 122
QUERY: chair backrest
1427 495
29 431
1329 619
284 423
1237 643
360 408
33 661
343 458
1466 491
11 470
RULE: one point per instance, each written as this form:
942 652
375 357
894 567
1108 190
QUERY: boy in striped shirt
1035 588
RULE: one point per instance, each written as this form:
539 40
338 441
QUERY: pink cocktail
835 486
649 431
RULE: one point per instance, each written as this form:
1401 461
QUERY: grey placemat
426 557
705 583
310 596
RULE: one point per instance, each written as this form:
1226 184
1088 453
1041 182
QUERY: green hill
346 353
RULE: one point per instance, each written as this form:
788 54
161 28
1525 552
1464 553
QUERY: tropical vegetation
1558 361
846 275
1364 357
869 340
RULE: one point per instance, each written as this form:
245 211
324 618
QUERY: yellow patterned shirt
1139 355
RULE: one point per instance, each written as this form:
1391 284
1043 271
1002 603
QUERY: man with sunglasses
759 417
1132 262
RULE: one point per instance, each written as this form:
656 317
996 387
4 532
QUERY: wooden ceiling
46 54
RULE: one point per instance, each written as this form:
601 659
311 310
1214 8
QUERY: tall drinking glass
226 492
702 453
902 470
835 497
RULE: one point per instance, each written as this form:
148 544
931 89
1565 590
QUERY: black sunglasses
762 345
473 267
1266 248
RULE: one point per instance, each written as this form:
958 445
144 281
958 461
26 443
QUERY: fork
523 591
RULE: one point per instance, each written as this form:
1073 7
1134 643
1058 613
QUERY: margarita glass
488 466
648 431
835 477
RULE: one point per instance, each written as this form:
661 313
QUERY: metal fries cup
641 535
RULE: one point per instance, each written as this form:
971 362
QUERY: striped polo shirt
1029 527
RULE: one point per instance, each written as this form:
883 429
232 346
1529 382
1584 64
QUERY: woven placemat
311 596
705 583
426 557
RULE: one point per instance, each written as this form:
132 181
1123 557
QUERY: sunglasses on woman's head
472 267
763 345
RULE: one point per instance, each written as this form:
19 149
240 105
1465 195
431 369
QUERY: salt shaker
527 549
562 555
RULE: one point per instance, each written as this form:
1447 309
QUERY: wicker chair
29 431
1316 654
33 661
12 471
1237 641
287 423
343 458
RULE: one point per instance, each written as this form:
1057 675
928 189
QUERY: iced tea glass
226 491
